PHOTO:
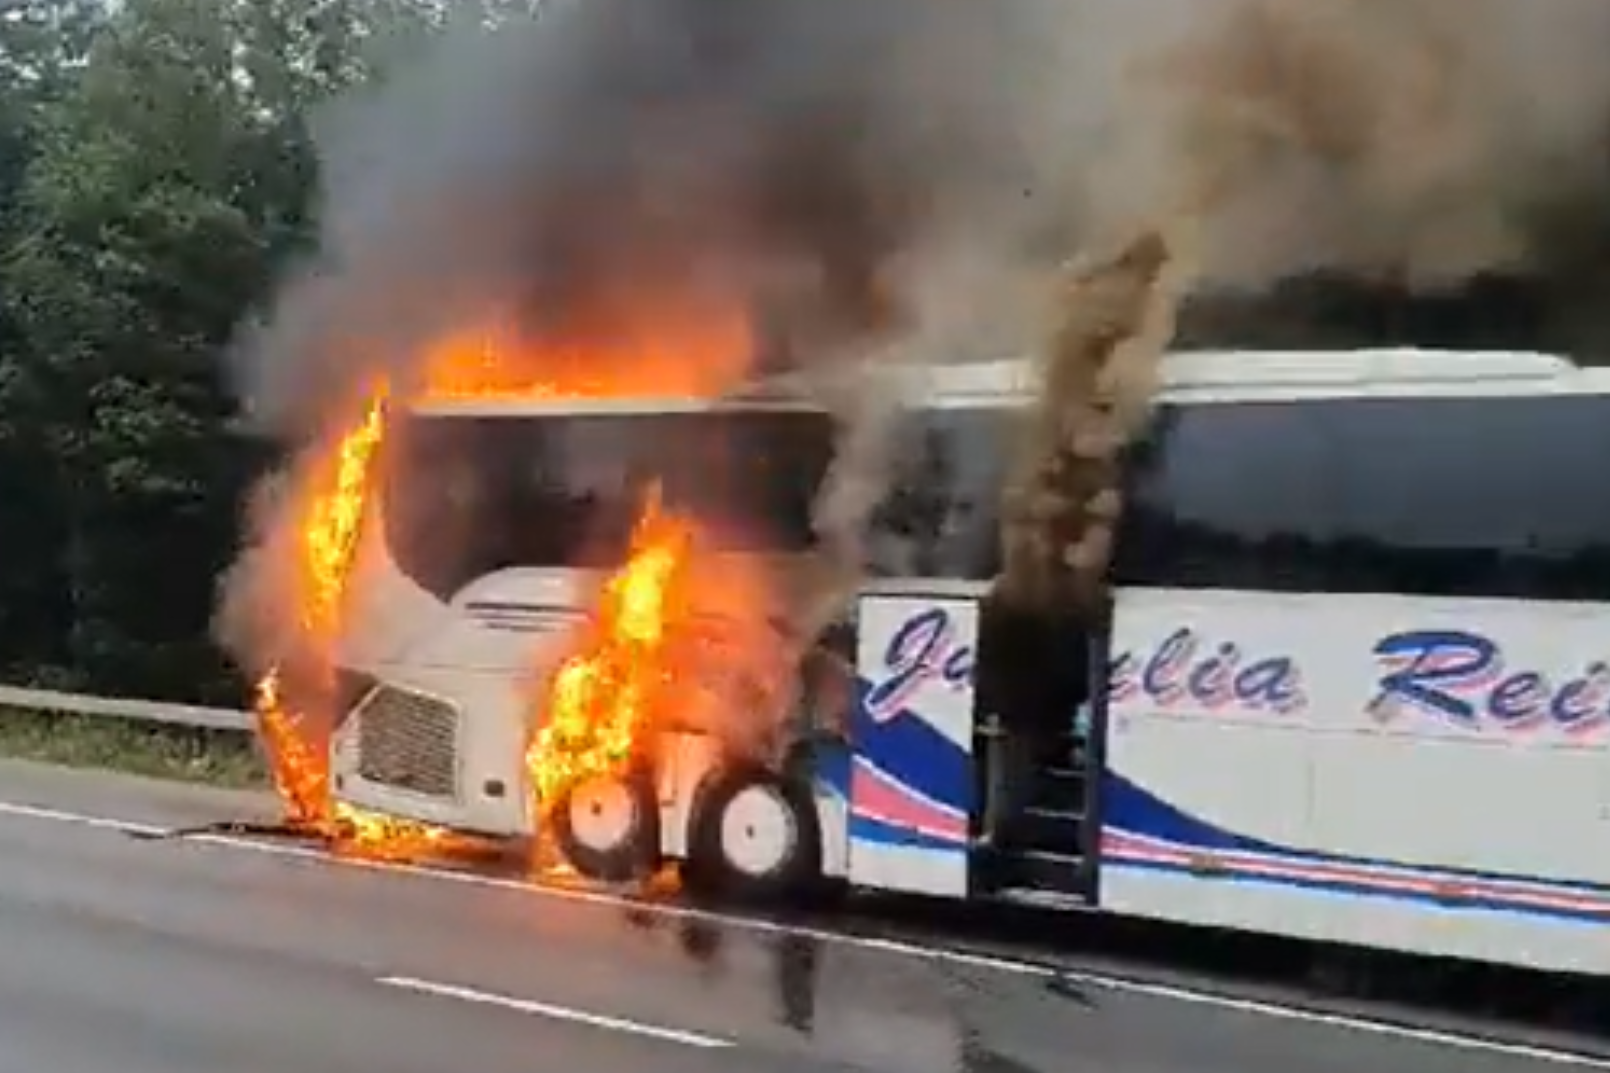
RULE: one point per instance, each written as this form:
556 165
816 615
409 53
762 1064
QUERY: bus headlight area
422 774
404 751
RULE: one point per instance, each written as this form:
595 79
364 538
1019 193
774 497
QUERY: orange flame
334 522
326 543
599 697
690 352
327 538
597 705
298 772
679 640
388 837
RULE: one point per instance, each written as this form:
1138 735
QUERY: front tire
755 839
607 827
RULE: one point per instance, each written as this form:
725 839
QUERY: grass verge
226 758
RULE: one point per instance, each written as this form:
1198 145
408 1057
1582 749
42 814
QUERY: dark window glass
1435 497
1475 497
1235 496
941 517
465 496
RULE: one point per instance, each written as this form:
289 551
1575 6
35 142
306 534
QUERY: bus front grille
409 741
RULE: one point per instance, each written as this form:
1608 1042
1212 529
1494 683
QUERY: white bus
1354 685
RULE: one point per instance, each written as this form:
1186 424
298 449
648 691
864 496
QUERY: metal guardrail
148 711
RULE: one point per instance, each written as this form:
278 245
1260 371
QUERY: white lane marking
894 947
558 1013
56 815
569 894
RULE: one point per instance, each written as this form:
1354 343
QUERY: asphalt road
127 956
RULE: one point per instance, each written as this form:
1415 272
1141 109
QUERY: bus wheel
755 838
606 826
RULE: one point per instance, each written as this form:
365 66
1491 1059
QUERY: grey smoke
788 157
1422 140
867 169
899 177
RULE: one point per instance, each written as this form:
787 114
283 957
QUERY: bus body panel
1486 725
385 611
832 767
911 773
491 641
509 621
469 724
1550 945
1433 565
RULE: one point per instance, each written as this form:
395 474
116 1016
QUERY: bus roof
1275 373
1198 375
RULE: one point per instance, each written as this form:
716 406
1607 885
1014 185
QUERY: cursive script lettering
1461 677
1183 672
924 649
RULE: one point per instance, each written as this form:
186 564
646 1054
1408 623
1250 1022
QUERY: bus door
911 784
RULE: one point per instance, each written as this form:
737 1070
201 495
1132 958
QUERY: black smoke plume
901 175
813 164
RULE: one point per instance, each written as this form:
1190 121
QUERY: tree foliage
155 170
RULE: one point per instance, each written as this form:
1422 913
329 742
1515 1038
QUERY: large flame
680 637
688 351
297 770
334 520
333 494
334 497
598 703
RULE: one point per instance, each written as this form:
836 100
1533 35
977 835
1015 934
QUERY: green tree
167 171
129 274
42 48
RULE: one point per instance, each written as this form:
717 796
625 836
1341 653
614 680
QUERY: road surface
128 956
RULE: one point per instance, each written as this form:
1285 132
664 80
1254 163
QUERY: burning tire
608 828
755 839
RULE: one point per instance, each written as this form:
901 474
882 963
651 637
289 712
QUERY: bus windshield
468 495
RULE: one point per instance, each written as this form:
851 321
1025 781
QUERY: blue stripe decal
1142 832
1585 914
912 752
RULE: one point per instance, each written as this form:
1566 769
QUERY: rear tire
607 827
755 839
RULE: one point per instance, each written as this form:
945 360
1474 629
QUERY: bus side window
1145 451
940 516
1476 496
1492 496
439 500
1231 496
